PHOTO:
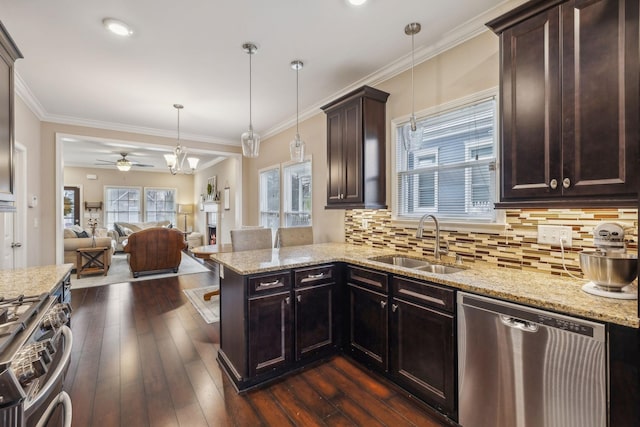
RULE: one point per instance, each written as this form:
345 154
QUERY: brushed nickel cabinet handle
566 183
394 307
299 298
553 184
383 304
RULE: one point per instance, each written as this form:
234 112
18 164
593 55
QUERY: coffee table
91 260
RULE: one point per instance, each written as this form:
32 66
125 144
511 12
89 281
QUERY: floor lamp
185 210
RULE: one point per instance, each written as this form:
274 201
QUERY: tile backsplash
515 247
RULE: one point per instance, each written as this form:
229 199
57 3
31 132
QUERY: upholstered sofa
122 230
72 242
154 250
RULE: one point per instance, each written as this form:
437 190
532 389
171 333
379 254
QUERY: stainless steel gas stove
35 349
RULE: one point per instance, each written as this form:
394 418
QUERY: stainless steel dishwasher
523 367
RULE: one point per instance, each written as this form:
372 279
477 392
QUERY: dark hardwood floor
143 356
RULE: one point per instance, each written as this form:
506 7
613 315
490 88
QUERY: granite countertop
32 280
555 293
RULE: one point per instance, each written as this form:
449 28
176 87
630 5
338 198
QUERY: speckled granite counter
32 280
545 291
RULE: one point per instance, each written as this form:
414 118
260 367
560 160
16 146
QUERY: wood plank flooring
143 356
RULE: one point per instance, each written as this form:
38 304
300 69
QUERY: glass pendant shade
296 149
171 160
193 162
250 143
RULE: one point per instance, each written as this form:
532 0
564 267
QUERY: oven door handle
61 399
57 373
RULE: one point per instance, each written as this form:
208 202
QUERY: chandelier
175 161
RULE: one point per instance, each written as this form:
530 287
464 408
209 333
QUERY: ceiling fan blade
141 165
105 161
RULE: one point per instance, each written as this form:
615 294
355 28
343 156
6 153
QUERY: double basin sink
417 264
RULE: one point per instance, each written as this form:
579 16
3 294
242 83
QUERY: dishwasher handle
523 325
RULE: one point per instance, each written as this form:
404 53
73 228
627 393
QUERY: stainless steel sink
417 264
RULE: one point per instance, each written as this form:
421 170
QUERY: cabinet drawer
424 293
368 278
314 276
269 283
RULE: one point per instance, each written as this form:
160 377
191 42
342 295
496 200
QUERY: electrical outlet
551 235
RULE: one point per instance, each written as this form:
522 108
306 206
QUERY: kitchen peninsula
282 309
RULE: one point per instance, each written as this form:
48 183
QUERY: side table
91 260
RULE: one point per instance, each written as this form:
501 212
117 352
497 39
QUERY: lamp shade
185 209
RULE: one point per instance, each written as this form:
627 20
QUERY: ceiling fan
124 164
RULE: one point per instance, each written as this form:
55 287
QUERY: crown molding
23 91
464 32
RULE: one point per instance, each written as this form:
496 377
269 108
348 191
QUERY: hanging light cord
297 102
413 90
250 119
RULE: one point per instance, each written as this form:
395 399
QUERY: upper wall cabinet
8 55
570 103
356 150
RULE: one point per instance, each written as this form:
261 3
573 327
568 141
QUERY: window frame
174 212
106 204
282 192
477 225
263 197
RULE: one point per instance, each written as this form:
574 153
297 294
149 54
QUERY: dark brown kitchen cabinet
274 322
9 53
269 332
569 103
356 129
368 326
423 343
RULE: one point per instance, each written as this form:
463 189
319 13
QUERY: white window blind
447 167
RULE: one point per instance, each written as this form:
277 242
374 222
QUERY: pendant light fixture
175 160
297 146
414 134
250 139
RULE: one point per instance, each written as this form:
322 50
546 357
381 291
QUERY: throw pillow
83 234
69 233
127 231
118 229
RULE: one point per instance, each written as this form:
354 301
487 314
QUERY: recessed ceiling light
117 27
357 2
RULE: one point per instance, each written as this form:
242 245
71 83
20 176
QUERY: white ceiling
189 52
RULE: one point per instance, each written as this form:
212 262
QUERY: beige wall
92 190
464 70
227 173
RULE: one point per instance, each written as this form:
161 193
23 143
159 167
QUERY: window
270 198
294 210
122 204
297 194
160 204
449 168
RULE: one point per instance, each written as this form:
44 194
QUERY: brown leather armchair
154 250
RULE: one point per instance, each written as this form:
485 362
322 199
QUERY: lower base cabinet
269 333
368 320
314 312
422 355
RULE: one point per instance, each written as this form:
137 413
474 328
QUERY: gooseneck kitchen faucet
436 251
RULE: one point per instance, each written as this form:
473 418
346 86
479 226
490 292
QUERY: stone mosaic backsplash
516 247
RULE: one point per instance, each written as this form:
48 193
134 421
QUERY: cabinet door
269 332
368 316
530 104
314 319
600 97
423 353
335 135
352 153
